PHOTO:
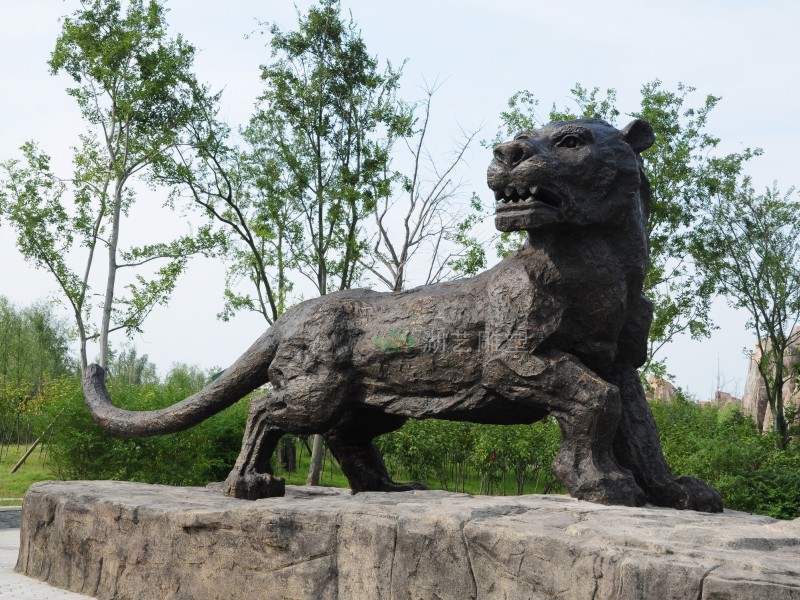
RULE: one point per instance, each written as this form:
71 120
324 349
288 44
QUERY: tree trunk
778 418
780 426
315 468
112 274
82 335
287 454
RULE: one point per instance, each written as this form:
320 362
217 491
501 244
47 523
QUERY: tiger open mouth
512 198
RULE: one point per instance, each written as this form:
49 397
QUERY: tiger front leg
638 448
587 409
586 464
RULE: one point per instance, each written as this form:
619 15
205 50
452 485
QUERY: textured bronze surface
557 328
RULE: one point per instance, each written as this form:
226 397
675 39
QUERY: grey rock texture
136 541
660 390
754 399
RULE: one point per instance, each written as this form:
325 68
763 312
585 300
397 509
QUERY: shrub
80 449
447 453
723 447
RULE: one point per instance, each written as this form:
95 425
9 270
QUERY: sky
481 52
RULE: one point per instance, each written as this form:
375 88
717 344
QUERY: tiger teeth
512 194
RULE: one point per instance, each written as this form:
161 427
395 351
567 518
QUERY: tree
128 367
135 90
183 376
33 348
751 252
434 230
325 116
246 191
684 176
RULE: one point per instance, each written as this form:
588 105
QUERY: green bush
518 453
719 445
448 455
34 349
723 447
80 449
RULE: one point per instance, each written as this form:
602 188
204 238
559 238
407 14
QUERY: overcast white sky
485 50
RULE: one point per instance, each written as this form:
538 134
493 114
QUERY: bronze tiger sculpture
557 328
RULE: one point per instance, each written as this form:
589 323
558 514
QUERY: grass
13 486
333 477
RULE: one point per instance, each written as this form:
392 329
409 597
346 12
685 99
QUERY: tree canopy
751 253
34 347
135 90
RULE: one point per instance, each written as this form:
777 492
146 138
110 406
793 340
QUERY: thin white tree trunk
108 303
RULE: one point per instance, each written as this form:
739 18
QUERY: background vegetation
718 444
309 190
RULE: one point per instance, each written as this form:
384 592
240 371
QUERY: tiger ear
639 135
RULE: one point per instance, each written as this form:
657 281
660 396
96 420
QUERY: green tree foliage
129 367
470 255
685 174
34 347
80 449
182 376
504 458
723 447
751 252
34 350
246 191
326 116
31 201
134 87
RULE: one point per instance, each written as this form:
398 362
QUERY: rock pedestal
126 540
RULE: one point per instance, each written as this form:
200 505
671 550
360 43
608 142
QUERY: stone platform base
124 540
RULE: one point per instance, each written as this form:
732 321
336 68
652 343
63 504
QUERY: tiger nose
513 153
